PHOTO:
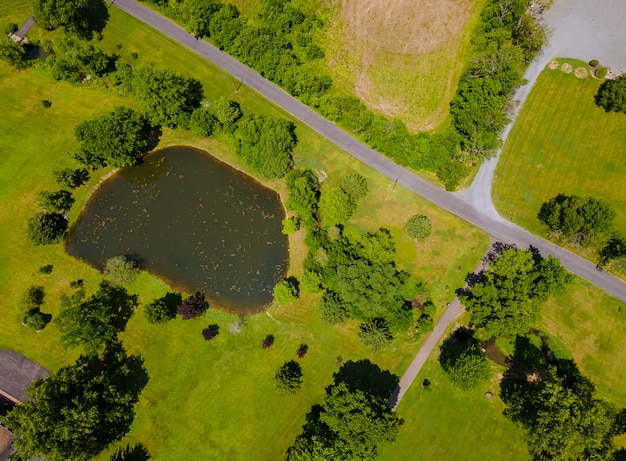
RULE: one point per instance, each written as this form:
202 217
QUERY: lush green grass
449 423
561 143
15 11
205 400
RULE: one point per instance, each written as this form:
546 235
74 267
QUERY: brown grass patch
567 68
403 58
554 64
581 72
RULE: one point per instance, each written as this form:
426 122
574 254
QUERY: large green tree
119 138
507 299
71 14
463 360
95 321
166 97
81 409
611 95
46 228
304 195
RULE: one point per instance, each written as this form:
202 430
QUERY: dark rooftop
17 373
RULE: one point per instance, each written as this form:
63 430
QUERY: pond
192 221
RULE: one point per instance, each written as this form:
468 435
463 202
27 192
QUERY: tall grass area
204 400
561 143
15 11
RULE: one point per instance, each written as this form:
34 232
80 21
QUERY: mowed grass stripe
561 143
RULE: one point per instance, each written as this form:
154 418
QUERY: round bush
11 28
36 320
419 227
601 72
594 62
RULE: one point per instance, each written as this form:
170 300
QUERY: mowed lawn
561 143
205 400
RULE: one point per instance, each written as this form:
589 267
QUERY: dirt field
402 57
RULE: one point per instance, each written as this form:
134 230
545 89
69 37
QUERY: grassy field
205 400
403 58
15 11
561 143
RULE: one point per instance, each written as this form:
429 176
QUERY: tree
210 332
163 309
59 201
507 299
202 122
265 143
36 320
288 378
95 321
375 334
286 291
582 220
70 177
71 14
335 207
225 26
304 195
74 59
419 227
198 14
119 138
120 270
463 360
310 282
192 307
290 225
46 228
12 53
228 113
81 409
355 186
611 95
165 96
267 342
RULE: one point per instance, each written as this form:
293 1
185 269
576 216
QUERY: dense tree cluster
354 420
611 95
73 15
95 321
81 409
119 138
507 299
74 60
304 195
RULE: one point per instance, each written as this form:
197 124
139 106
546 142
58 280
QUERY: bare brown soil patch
402 57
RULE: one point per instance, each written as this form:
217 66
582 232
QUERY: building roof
17 373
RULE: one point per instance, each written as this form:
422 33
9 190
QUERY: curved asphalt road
499 229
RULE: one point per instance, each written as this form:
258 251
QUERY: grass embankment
561 143
205 400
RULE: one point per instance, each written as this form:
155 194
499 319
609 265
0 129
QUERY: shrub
310 282
267 342
36 320
46 228
121 270
290 225
33 297
47 269
594 62
355 186
302 350
71 178
210 332
375 334
424 324
11 28
58 201
601 72
202 122
163 309
192 307
286 291
45 103
611 95
333 309
419 227
288 377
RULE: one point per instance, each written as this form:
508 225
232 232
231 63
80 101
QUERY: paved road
494 226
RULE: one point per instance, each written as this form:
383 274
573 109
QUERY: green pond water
194 222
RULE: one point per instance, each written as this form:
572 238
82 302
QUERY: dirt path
584 29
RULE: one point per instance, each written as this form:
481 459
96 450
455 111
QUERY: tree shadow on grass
136 452
367 377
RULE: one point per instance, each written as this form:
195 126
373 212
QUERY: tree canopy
463 360
81 409
46 228
304 195
95 321
611 95
507 299
165 97
119 138
71 14
265 143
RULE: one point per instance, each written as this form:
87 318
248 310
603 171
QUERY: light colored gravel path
583 29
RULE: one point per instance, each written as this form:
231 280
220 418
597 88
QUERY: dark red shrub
268 341
192 307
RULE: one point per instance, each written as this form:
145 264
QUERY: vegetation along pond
193 221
